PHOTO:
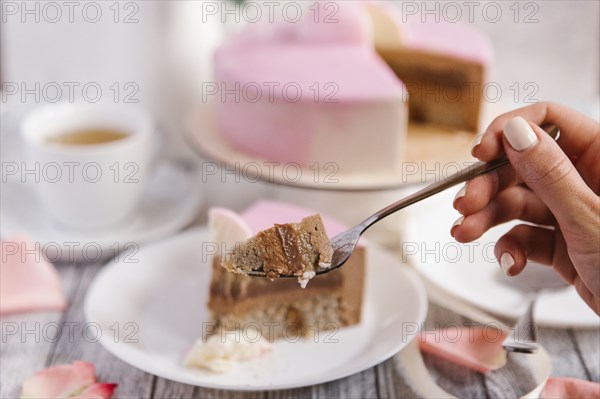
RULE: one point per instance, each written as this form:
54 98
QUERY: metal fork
345 243
536 279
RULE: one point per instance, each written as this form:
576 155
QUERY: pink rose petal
570 388
27 281
60 381
477 348
101 390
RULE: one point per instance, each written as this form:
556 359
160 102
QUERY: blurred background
163 50
158 53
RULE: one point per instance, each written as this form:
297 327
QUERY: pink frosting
357 72
265 213
332 43
348 74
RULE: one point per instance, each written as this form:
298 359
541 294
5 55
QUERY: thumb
546 169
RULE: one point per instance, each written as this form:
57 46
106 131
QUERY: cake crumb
305 278
324 265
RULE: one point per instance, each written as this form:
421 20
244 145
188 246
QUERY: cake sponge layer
330 301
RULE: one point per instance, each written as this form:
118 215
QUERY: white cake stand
433 152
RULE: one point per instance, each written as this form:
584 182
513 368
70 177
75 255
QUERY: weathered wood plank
459 381
511 381
205 393
307 392
390 381
565 358
165 389
172 390
82 345
27 339
588 345
360 385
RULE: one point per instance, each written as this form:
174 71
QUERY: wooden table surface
575 353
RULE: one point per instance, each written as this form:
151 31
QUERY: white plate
164 296
171 201
471 272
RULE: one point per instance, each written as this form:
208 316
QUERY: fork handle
461 176
523 337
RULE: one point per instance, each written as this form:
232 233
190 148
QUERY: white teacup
88 186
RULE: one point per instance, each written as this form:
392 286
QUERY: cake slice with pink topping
331 300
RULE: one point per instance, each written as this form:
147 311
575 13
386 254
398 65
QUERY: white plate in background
471 273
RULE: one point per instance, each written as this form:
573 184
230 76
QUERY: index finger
578 131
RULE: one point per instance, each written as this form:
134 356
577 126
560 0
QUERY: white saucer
163 297
471 272
171 201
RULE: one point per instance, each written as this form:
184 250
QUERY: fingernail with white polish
519 134
461 193
506 262
476 142
457 223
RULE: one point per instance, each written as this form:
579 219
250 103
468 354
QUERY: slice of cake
292 249
281 308
443 65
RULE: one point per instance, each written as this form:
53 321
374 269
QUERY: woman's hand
547 183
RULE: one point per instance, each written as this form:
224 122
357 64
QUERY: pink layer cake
340 91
